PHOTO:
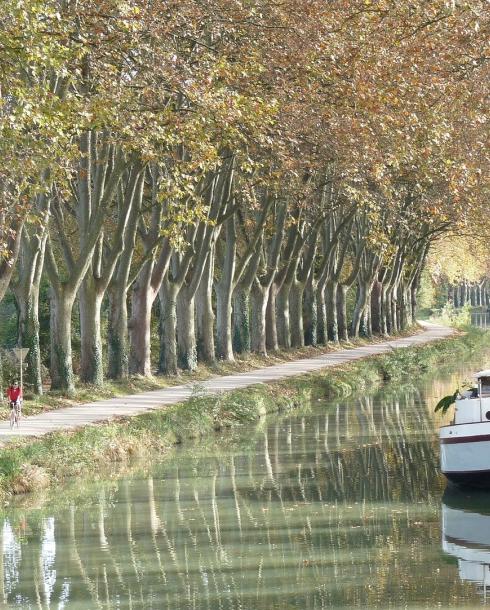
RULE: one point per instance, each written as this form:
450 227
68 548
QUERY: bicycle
15 412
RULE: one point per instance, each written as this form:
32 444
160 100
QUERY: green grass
27 465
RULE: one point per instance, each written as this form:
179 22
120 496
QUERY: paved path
90 413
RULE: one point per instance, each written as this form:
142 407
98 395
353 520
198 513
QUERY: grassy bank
28 465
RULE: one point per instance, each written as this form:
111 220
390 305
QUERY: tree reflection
337 508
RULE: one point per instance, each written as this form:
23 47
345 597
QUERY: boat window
485 385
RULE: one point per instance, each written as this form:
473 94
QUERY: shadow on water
338 507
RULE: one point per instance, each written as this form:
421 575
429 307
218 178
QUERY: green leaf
446 402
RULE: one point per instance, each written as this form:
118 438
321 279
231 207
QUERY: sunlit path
90 413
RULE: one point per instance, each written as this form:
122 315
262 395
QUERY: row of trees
466 293
236 171
457 272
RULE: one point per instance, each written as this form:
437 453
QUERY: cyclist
14 395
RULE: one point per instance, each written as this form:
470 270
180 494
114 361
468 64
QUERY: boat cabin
474 404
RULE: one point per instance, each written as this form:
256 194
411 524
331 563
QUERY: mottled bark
359 309
117 334
224 293
366 329
91 359
241 320
61 306
282 317
376 313
342 321
310 313
186 334
142 298
12 241
296 314
205 316
271 322
331 302
258 302
322 320
26 291
29 338
168 364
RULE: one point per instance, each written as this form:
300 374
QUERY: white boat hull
465 453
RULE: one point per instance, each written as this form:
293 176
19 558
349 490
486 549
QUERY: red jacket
14 393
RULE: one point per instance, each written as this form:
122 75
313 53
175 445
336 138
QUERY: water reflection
466 535
335 508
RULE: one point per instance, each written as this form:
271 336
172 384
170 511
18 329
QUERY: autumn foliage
252 175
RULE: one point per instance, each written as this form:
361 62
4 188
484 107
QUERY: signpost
21 353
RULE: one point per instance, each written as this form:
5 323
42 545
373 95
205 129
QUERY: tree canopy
236 175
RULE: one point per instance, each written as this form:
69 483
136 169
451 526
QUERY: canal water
339 506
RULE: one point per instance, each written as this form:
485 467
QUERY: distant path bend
77 416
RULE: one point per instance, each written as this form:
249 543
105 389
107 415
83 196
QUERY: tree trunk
10 234
450 294
296 314
61 305
321 309
91 359
29 337
272 342
168 364
331 302
139 325
386 311
205 315
224 329
342 312
414 290
310 314
392 305
376 308
283 325
366 324
117 334
257 327
455 296
361 301
241 320
30 264
186 334
402 308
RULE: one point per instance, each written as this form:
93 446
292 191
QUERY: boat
465 442
466 536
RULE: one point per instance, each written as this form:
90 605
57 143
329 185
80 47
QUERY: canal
338 506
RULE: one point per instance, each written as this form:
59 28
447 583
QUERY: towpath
90 413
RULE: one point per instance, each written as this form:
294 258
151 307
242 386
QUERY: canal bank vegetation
28 465
186 186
